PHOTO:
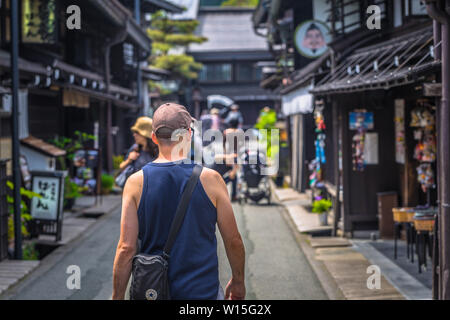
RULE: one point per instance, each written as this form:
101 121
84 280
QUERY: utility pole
137 17
436 10
15 128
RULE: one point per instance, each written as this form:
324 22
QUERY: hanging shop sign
311 38
432 89
400 131
39 22
47 209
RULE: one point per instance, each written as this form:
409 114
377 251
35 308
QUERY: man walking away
149 203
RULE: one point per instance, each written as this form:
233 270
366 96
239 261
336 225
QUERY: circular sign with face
311 38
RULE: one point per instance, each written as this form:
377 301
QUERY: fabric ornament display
425 176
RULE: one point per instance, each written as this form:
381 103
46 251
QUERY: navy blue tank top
193 266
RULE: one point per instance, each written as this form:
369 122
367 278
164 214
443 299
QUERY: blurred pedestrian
233 115
148 209
215 125
226 162
144 150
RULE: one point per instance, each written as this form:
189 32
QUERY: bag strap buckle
165 256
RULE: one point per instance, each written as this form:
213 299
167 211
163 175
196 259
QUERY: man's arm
232 240
129 228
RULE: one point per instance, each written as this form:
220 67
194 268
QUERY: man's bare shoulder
212 182
136 179
133 186
210 176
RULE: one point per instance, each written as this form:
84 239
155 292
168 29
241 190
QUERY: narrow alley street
276 267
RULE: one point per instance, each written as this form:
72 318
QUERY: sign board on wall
311 38
49 205
47 210
361 120
371 148
399 131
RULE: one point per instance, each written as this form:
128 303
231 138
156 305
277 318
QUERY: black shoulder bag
150 279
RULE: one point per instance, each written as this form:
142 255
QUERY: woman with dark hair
144 150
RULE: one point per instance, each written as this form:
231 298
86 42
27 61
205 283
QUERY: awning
152 73
153 5
103 96
384 65
299 101
42 146
75 71
24 65
306 74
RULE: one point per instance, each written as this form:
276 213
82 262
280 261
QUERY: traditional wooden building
82 79
87 76
365 93
233 59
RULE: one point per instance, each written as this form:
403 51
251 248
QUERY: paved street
276 266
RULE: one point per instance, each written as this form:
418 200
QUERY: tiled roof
228 30
43 146
382 66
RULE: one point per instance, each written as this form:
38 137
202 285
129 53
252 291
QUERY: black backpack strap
181 209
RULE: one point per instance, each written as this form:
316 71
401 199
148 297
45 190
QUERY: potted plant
321 207
71 192
107 183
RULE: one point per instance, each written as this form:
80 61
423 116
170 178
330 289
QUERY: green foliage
30 252
173 34
107 182
71 145
240 3
117 160
321 206
266 120
25 212
71 189
179 64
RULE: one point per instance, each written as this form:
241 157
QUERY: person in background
234 114
144 150
215 125
226 163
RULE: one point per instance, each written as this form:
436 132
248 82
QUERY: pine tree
170 41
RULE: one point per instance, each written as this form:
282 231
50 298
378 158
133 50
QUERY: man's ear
154 138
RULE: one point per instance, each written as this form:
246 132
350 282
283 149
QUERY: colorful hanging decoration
425 176
316 165
361 121
422 118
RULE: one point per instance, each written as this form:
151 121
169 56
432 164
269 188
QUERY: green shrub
107 182
117 160
71 189
30 252
321 206
24 210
